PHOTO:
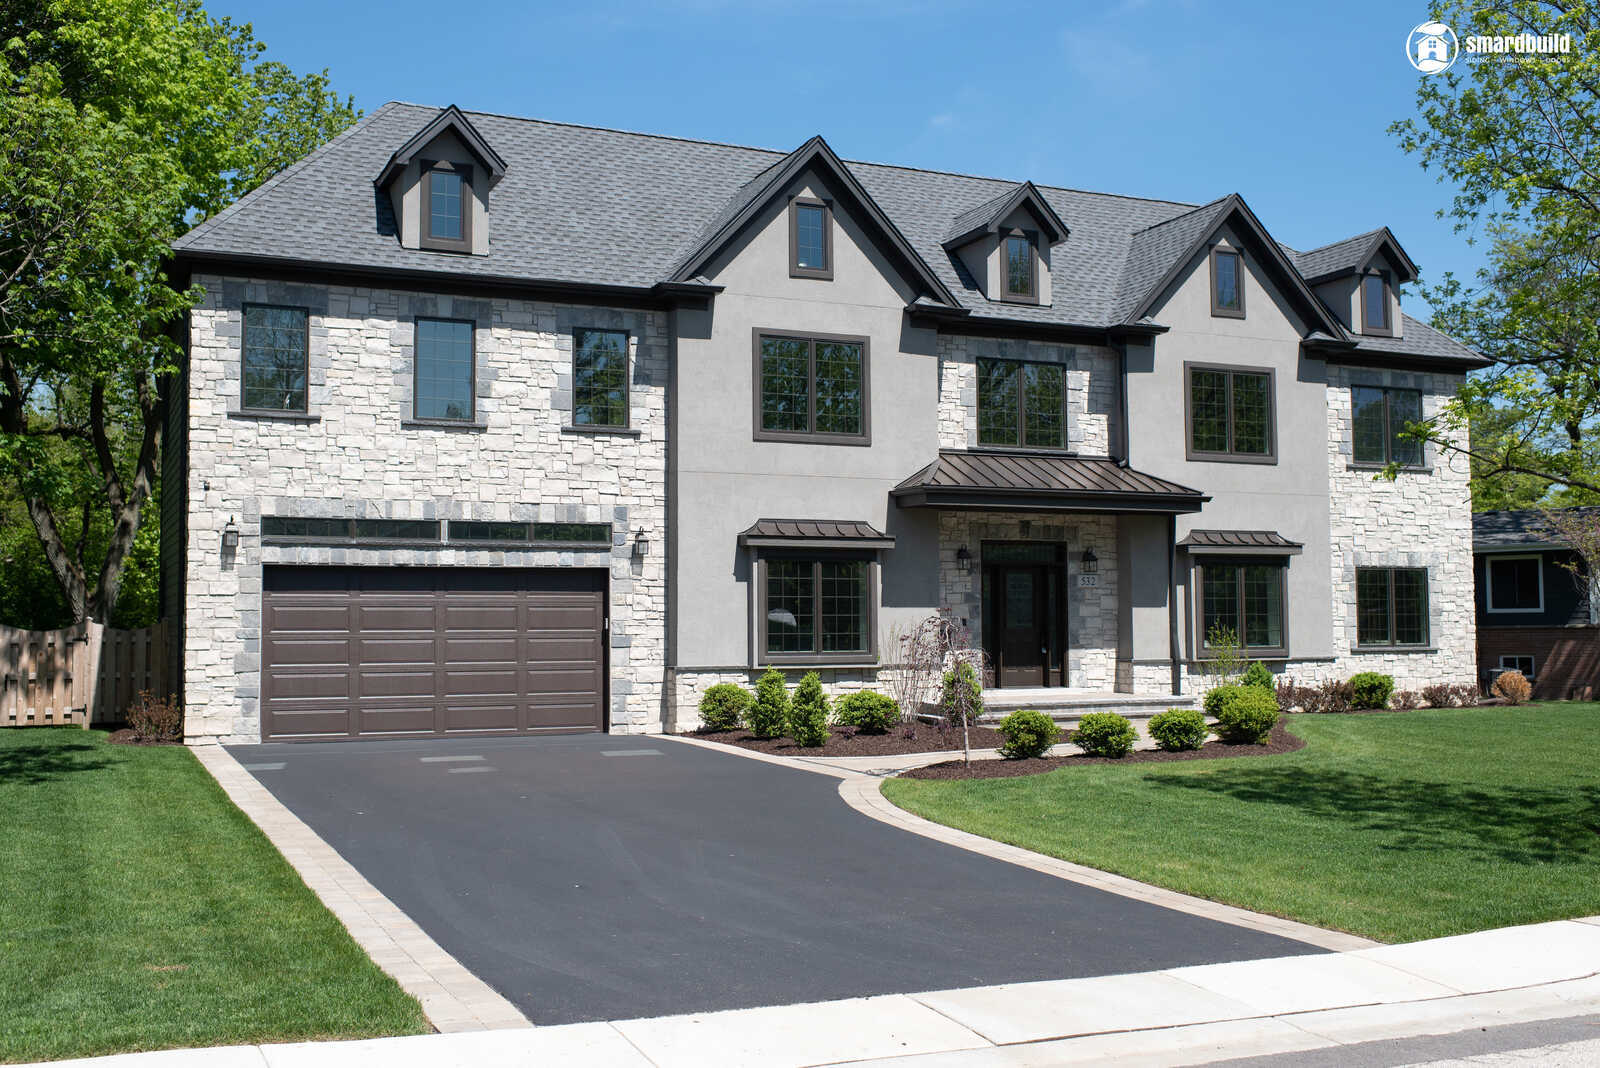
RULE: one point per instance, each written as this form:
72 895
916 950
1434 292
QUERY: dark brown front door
1022 646
392 652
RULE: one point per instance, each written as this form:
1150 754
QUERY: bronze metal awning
815 534
1041 482
1240 543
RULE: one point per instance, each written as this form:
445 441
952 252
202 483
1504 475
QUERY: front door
1022 646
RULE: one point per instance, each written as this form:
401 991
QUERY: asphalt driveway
593 877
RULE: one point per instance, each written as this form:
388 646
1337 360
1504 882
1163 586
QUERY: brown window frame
627 377
426 237
812 436
1387 329
1032 239
472 372
1427 606
1022 408
825 272
1218 311
1389 434
1230 457
1202 650
244 354
816 656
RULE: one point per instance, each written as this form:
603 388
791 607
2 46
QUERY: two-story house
492 425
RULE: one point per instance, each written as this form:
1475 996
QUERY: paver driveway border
862 791
452 997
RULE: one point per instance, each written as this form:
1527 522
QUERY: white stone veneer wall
353 454
1092 388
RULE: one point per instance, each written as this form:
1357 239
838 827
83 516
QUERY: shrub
1513 687
1245 714
866 711
961 681
1028 734
1291 696
1439 695
1179 728
1467 694
770 714
1257 674
1331 698
1105 734
155 719
723 706
808 713
1370 689
1406 700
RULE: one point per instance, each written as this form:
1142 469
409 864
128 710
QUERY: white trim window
1518 662
1515 583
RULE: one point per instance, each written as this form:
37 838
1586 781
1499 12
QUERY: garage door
396 652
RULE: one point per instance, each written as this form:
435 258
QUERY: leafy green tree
1517 138
125 122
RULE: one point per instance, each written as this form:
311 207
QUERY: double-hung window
274 372
1243 600
1022 404
1391 607
600 378
811 388
1515 583
1379 414
1231 415
444 370
816 607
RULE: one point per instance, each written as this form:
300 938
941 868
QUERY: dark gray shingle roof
600 207
1417 339
1346 255
1519 528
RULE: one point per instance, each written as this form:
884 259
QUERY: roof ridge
212 222
1185 215
783 153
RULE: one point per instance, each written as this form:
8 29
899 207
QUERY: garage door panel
431 650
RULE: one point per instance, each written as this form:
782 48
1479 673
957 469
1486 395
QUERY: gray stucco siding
355 455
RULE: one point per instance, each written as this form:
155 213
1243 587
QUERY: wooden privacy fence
85 674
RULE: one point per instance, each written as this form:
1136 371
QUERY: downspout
1172 605
669 615
1123 438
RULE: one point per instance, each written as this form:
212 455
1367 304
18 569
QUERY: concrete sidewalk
1179 1016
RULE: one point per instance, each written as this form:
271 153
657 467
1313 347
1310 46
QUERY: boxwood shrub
1371 690
1028 734
867 712
723 706
1178 729
1105 734
1245 714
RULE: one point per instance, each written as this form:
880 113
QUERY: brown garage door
391 652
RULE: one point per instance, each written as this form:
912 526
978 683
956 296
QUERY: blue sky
1286 104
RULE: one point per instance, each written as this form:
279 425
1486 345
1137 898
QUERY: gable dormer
1005 244
438 184
1360 279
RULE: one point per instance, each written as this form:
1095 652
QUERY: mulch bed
840 743
1279 741
125 736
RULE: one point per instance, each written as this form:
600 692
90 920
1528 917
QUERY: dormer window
810 239
1375 317
447 206
1227 283
1021 266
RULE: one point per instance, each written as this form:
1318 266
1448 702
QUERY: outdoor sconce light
230 536
1091 562
964 561
641 545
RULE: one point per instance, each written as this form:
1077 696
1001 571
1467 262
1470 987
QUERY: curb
453 999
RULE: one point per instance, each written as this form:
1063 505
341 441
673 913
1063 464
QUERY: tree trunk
127 504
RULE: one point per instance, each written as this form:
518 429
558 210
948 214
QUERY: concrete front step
1066 706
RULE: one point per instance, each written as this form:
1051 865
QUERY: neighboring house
1535 613
499 425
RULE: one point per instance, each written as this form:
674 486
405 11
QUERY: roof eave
1019 500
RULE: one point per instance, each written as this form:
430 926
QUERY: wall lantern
230 536
1091 562
641 545
964 561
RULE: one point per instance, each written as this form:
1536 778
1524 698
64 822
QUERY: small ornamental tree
808 713
770 714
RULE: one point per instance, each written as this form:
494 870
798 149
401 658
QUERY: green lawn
1396 826
139 909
